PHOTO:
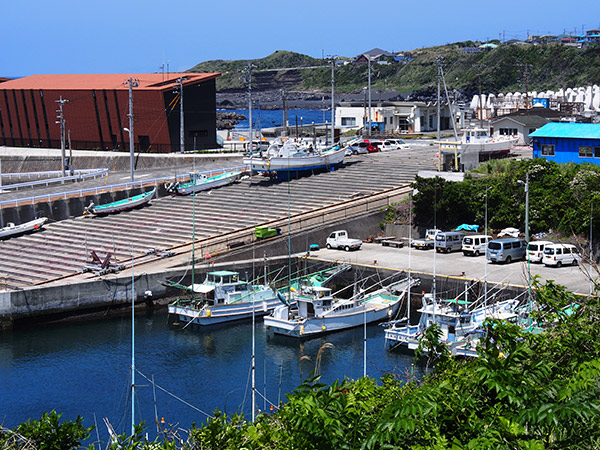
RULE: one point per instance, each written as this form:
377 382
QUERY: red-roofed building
98 107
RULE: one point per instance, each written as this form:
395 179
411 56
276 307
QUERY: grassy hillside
502 69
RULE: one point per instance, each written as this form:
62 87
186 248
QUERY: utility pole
61 120
439 110
249 69
285 111
132 82
369 85
181 125
526 68
332 99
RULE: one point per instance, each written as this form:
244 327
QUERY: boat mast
132 345
250 106
409 257
332 100
253 360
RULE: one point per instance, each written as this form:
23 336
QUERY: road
575 278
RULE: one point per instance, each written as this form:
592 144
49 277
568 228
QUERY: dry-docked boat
202 182
295 157
122 205
11 229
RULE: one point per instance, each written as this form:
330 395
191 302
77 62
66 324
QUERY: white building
393 117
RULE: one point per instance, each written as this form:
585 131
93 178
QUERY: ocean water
274 118
84 369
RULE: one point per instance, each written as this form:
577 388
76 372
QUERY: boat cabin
222 287
315 302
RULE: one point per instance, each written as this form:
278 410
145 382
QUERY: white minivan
535 250
475 244
559 254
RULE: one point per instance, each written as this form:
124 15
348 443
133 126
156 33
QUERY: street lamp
526 184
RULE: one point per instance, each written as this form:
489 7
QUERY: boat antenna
439 64
450 105
132 344
410 225
253 360
485 286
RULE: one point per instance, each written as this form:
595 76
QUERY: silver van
447 241
506 250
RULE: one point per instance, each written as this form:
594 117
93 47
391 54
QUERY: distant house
518 125
403 57
375 55
567 142
467 50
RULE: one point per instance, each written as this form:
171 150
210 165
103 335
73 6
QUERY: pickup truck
428 241
340 239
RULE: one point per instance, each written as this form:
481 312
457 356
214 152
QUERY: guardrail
109 188
300 222
61 180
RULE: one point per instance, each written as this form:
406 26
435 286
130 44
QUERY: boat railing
109 188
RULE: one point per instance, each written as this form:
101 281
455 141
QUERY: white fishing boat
223 297
479 139
11 229
294 156
318 312
202 182
453 317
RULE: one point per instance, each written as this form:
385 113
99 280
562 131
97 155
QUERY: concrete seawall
17 160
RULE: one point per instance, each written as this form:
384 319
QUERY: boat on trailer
294 157
11 229
319 312
122 205
202 182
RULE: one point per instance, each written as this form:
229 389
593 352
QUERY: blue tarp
467 227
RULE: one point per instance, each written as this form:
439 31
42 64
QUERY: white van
559 254
535 250
475 244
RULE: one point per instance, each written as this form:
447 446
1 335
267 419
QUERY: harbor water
274 118
84 369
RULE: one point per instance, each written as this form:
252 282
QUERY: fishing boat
295 157
11 229
223 297
122 205
452 316
202 182
319 312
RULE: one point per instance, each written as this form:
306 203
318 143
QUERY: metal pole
181 124
132 83
61 121
132 345
438 103
250 114
369 70
332 100
527 239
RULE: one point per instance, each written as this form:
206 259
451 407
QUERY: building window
547 149
585 151
348 121
596 152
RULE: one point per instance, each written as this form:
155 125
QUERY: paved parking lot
575 278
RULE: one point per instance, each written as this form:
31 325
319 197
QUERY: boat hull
311 327
224 313
190 188
13 230
296 164
124 205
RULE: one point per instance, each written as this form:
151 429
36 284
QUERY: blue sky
110 36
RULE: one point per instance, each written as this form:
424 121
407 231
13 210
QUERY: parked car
559 254
374 146
359 148
428 241
448 241
506 250
535 250
393 144
475 244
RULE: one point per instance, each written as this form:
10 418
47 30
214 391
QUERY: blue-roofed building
567 142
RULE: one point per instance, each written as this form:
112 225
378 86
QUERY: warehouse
96 111
567 142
